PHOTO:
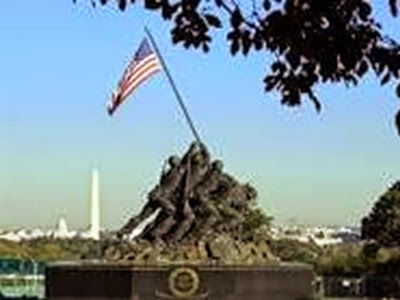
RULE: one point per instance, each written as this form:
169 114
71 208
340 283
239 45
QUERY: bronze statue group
194 196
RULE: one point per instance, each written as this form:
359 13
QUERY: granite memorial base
122 281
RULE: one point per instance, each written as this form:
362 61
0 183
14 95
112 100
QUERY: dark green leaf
213 20
362 69
278 67
234 47
267 5
270 84
365 10
293 59
122 4
385 79
397 122
152 4
236 18
206 48
393 7
398 90
258 43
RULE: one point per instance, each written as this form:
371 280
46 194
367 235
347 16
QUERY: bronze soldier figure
172 187
196 168
153 199
202 194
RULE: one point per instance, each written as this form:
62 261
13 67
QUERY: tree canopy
313 41
383 223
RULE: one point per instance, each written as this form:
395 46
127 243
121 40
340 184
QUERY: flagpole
171 81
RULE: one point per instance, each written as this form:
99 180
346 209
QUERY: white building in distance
61 231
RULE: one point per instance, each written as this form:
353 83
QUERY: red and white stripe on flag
143 65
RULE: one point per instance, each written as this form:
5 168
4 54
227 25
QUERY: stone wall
123 281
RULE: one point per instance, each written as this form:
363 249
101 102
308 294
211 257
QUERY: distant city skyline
60 62
320 235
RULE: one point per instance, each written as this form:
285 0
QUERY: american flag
144 64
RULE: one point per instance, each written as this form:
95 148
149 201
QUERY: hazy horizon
60 62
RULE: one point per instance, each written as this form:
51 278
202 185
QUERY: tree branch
231 11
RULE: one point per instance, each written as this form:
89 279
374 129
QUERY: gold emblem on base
183 282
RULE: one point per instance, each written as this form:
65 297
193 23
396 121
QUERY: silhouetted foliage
313 41
383 223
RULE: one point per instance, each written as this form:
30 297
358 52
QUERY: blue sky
59 62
